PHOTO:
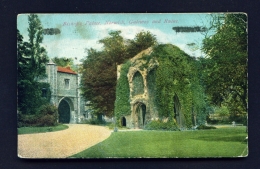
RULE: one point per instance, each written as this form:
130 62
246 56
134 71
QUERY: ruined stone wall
153 87
139 92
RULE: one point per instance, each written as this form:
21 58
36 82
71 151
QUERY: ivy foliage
122 103
173 86
178 84
151 86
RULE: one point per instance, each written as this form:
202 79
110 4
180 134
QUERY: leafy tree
98 80
142 41
22 58
31 66
63 61
114 48
99 73
222 111
225 72
37 53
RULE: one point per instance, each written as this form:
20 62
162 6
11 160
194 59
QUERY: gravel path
61 144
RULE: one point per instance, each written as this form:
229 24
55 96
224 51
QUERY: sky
83 31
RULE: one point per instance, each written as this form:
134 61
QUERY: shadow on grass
225 139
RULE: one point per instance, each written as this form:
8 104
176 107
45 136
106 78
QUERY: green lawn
223 142
31 130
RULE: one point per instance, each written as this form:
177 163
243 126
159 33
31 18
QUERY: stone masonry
143 108
65 92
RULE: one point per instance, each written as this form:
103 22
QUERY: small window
67 83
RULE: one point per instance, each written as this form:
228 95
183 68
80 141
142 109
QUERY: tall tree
31 66
37 54
226 63
99 75
98 80
142 41
22 58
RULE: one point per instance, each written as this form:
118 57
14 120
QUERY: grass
223 142
31 130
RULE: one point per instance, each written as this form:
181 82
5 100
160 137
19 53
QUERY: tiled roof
65 70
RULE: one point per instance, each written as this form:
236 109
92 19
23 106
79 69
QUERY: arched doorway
178 115
140 115
123 121
64 111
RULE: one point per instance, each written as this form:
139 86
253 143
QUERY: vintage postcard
132 85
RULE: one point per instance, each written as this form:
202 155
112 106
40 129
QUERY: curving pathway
61 144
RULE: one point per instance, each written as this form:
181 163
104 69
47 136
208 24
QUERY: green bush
221 121
159 125
241 119
46 120
47 115
30 96
48 109
203 127
26 120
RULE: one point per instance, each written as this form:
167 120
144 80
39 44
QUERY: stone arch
123 121
140 115
66 110
138 84
178 115
131 73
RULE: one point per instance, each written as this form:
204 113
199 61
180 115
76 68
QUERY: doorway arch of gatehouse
65 110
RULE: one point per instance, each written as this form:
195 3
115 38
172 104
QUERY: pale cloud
71 48
180 39
75 48
129 32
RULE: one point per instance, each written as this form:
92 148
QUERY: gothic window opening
138 84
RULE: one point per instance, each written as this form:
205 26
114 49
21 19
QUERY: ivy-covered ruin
159 84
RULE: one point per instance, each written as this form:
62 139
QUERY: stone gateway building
65 93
